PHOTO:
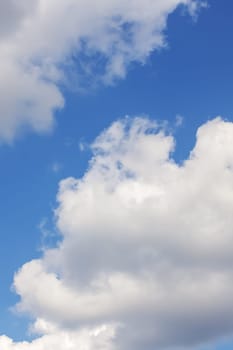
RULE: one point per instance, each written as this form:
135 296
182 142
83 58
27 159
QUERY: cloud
44 44
179 120
97 339
146 246
56 167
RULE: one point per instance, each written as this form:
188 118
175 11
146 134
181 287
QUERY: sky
116 133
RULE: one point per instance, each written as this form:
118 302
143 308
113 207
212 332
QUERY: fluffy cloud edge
38 55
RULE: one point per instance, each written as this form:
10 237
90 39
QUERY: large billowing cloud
44 43
146 256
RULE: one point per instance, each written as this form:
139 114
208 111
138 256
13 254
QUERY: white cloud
147 244
97 339
42 43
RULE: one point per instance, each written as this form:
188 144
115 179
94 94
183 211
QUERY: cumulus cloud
43 43
96 339
146 250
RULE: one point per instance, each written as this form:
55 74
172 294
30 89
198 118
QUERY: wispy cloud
56 167
43 44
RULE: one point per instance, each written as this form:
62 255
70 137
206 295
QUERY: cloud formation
96 339
146 253
45 43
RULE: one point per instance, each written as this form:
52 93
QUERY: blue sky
190 79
